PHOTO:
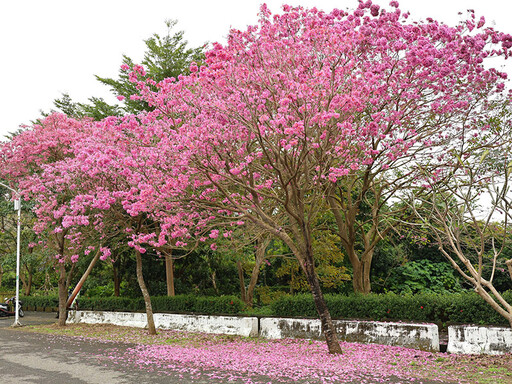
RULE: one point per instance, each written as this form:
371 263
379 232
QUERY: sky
52 47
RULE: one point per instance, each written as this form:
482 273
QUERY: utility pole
17 205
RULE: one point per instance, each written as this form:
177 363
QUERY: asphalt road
36 358
30 358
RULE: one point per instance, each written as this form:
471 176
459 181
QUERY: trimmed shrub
40 301
224 304
120 304
177 304
467 308
198 304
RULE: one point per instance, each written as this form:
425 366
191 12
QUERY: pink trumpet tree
39 160
124 181
308 107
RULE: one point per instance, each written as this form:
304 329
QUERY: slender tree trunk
145 294
1 274
213 278
258 261
28 287
213 275
169 273
47 282
308 265
23 281
63 294
27 284
83 278
321 307
241 279
64 279
117 279
252 283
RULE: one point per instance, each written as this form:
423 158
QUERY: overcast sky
54 46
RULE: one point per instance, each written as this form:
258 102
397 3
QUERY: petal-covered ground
230 358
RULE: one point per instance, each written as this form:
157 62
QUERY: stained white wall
479 340
418 336
229 325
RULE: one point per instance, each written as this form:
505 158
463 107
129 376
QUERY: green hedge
197 304
123 304
180 304
467 308
40 301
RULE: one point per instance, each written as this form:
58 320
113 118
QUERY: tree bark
83 279
361 276
28 287
308 265
249 296
321 307
241 279
258 261
145 294
63 295
169 273
117 279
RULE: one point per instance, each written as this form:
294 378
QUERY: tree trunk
23 281
258 261
169 273
1 274
28 287
252 283
241 279
213 277
63 295
321 307
361 276
83 278
117 279
145 294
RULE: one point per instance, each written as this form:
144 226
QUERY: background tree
166 56
39 160
462 212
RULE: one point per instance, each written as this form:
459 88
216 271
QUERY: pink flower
120 97
105 253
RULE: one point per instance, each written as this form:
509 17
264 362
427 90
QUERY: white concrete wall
461 339
419 336
126 319
229 325
479 340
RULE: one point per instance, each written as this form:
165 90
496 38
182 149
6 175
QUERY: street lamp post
17 205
